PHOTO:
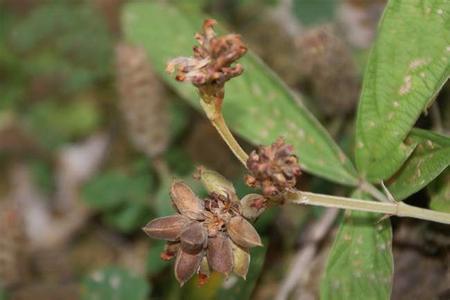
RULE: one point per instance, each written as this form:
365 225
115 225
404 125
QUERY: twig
301 267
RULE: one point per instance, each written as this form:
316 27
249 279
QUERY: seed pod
252 206
142 101
219 254
186 265
167 228
185 201
193 238
216 183
243 233
241 260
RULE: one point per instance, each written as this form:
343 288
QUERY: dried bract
212 63
166 228
205 231
273 168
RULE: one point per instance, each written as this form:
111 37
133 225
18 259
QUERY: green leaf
429 159
360 264
57 123
114 283
128 218
439 191
113 188
407 67
257 106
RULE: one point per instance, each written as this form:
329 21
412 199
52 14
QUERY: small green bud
216 183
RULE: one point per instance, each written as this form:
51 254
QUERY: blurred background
91 137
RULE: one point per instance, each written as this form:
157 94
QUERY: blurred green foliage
65 39
122 197
55 123
114 283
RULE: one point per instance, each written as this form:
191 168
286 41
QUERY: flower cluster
211 66
273 168
208 234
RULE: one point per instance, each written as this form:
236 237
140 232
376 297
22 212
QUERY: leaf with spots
439 191
429 159
114 283
360 263
257 106
407 67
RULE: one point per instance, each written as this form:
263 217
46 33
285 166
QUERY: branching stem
386 207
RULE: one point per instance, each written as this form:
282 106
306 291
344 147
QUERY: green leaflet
429 159
257 105
439 191
114 283
360 264
407 67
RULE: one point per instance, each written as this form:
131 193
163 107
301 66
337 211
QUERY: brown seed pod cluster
273 168
143 101
13 245
212 63
327 64
204 235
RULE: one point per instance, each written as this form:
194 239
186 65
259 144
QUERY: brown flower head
205 234
212 63
273 168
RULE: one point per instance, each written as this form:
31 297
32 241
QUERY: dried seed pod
328 65
241 260
252 206
13 245
166 228
212 63
219 254
193 238
273 168
186 265
143 100
215 183
243 233
185 201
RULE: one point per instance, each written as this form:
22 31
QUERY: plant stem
216 118
399 209
373 191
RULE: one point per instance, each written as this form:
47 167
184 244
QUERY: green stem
218 122
399 209
386 207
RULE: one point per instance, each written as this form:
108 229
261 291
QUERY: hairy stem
216 118
398 209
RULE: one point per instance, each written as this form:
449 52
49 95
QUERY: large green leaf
439 191
257 105
407 66
429 159
360 265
